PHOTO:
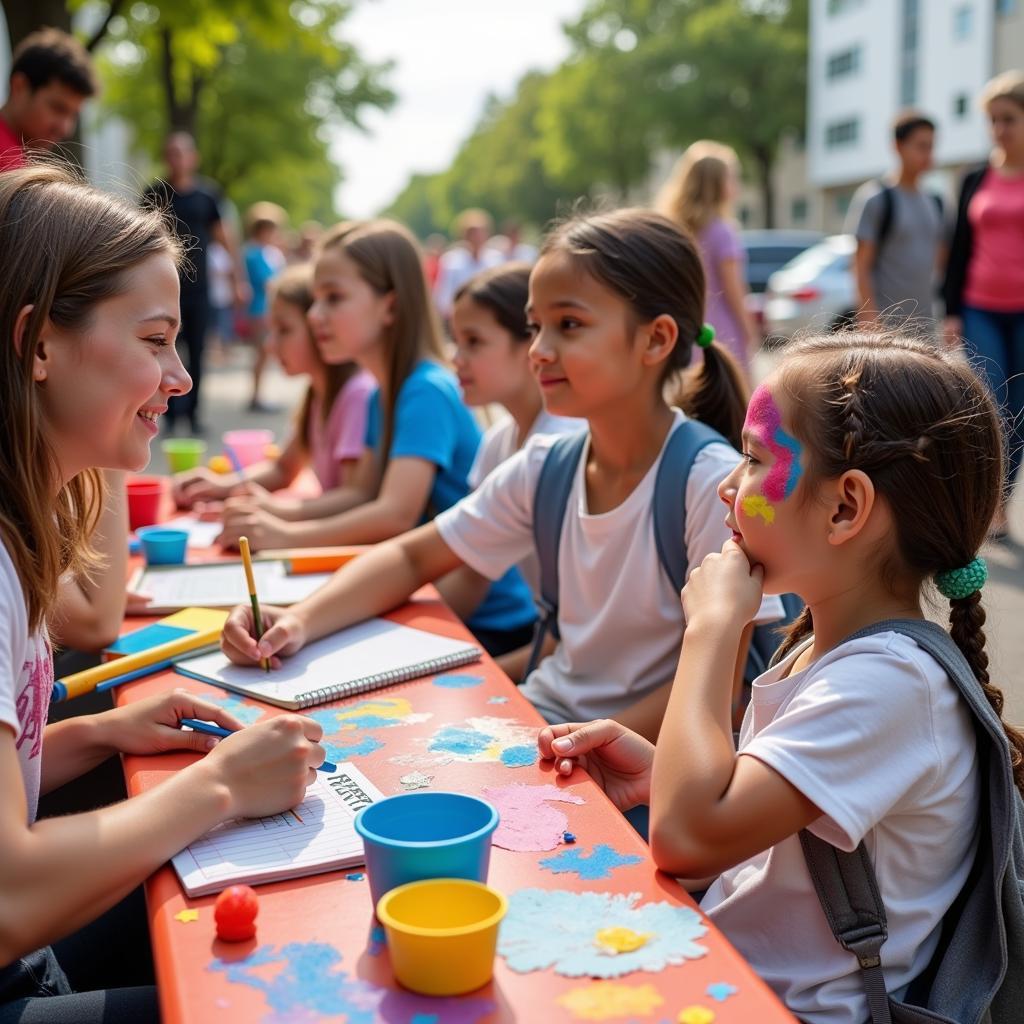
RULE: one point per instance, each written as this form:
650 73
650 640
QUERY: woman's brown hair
294 285
921 424
655 267
389 260
67 247
504 290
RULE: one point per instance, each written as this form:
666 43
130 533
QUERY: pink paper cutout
528 822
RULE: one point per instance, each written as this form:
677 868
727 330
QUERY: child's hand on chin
615 757
725 587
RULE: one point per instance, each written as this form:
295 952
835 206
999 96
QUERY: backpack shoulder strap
885 222
685 443
549 503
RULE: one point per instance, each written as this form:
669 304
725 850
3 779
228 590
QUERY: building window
842 133
1004 7
963 22
843 200
798 210
960 105
846 62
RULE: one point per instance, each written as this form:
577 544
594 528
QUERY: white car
813 292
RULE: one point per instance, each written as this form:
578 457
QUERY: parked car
814 291
767 251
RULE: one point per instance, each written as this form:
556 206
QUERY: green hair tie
957 584
705 336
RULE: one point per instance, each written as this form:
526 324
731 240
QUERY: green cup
183 453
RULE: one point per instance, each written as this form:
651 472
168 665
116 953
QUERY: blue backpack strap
687 440
549 503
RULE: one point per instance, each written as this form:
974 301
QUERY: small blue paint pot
415 836
163 546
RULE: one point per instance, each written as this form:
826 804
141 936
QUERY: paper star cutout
186 916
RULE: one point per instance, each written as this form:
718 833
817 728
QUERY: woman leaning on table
984 286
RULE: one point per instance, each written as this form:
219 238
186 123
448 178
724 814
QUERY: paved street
225 390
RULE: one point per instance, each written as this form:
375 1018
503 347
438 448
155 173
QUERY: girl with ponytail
873 467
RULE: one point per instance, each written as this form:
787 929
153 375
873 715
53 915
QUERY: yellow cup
442 934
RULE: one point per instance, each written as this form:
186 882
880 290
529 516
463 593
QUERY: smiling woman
88 314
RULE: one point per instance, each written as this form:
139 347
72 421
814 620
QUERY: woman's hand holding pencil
283 633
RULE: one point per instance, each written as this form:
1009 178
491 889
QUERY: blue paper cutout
458 682
518 757
453 740
555 929
721 990
356 876
599 863
497 700
343 751
310 982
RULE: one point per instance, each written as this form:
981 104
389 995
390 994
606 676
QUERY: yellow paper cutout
604 999
620 940
186 916
696 1015
755 505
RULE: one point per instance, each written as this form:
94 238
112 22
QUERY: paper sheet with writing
318 835
221 585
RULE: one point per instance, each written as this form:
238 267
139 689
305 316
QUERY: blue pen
215 730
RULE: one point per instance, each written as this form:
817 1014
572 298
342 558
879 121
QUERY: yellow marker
755 505
620 940
257 619
186 916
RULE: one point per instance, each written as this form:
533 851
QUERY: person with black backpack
862 846
900 230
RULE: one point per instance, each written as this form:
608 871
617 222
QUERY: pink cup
144 496
248 446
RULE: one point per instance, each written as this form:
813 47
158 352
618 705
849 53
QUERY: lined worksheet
318 835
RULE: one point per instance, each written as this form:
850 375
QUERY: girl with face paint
872 469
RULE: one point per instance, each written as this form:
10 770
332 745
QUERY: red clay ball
235 913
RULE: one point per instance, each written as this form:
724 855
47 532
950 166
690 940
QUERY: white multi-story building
870 59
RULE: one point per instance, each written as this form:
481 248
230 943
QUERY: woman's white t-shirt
620 619
500 443
26 680
876 735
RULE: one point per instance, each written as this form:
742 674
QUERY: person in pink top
330 426
984 287
51 77
699 196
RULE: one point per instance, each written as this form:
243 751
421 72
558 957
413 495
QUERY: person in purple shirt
699 196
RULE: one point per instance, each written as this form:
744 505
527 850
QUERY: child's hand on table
615 757
283 634
263 529
724 588
200 484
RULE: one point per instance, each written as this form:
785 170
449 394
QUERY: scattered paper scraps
696 1015
620 940
602 1000
415 780
599 863
457 682
720 991
484 739
187 916
527 821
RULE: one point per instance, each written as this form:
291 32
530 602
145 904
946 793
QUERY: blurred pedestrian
195 204
700 196
51 77
899 229
264 260
984 288
466 258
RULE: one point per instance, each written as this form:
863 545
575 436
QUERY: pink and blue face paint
764 422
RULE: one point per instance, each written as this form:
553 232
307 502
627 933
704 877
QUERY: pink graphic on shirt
33 703
764 422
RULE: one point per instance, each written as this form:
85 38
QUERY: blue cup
414 836
164 546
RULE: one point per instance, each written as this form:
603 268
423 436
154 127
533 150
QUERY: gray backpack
669 512
976 975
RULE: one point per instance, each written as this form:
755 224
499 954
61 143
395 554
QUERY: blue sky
449 55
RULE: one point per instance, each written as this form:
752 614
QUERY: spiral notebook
366 657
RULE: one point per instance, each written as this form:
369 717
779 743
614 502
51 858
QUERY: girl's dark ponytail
716 394
966 627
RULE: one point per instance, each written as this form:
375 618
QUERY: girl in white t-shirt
615 306
872 469
330 425
88 317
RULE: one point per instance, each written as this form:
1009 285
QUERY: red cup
144 496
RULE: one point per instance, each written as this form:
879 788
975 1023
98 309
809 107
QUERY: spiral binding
375 682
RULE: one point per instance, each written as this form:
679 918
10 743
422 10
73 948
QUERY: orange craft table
318 956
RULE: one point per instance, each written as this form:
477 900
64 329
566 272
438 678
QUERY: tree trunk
764 158
182 115
23 18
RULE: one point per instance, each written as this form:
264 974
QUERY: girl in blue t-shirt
371 305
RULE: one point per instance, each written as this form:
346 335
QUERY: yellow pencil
257 619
